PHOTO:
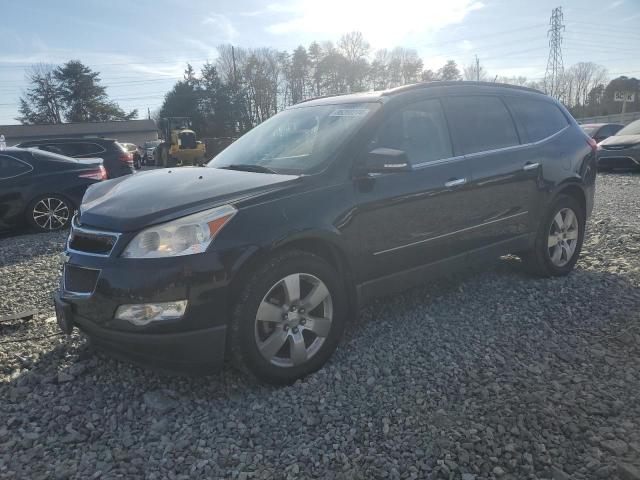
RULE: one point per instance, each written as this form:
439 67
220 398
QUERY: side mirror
387 160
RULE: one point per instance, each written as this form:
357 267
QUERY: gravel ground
491 374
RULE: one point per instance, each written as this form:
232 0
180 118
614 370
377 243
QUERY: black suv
115 158
264 254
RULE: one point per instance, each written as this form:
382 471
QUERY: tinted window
609 130
10 167
73 149
420 130
539 118
52 149
481 123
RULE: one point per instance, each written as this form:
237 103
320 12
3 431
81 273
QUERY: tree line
245 86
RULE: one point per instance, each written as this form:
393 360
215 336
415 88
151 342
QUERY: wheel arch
576 191
317 243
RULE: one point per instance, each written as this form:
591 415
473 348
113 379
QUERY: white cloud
227 31
381 25
466 45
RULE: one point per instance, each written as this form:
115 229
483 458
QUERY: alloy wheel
563 237
293 320
50 213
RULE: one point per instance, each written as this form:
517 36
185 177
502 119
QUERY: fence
623 118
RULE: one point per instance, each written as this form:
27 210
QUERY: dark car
265 253
116 159
148 149
622 150
43 189
600 131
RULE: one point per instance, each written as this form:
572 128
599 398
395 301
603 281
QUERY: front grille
80 280
94 242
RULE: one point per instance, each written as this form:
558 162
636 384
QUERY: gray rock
158 401
64 377
626 471
616 447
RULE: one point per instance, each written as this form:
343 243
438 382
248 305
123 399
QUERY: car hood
135 201
620 140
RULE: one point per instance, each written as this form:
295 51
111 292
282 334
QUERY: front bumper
194 343
624 159
193 352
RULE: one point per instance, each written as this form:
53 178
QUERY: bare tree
475 72
355 49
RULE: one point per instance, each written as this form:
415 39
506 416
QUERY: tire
546 260
281 350
38 216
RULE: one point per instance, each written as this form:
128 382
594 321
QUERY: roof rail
416 86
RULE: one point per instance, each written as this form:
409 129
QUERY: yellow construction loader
179 145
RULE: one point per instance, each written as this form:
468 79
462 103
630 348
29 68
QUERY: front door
408 219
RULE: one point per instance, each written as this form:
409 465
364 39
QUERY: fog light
145 313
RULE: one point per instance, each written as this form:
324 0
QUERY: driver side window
420 130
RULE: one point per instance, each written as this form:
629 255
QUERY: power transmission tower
553 76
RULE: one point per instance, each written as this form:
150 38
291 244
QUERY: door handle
455 183
530 166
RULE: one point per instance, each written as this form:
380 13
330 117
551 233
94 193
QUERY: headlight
184 236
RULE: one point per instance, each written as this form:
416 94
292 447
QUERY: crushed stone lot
491 374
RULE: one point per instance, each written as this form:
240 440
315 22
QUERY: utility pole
148 113
477 69
234 118
553 76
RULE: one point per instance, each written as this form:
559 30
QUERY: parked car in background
267 252
622 150
136 152
600 131
116 159
149 148
43 189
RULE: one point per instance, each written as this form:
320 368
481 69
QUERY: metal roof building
133 131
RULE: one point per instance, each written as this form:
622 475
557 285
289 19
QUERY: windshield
295 141
632 129
151 144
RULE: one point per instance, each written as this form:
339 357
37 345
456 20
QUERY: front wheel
289 318
559 239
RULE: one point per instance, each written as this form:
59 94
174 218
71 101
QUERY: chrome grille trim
90 232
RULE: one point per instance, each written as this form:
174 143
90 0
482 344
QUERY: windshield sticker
349 112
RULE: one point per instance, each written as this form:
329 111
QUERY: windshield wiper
246 167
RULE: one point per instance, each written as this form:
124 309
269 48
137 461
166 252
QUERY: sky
141 47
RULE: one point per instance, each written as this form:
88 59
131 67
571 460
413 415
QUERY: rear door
412 218
503 189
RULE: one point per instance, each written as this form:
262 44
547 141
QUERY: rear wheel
289 318
49 213
559 239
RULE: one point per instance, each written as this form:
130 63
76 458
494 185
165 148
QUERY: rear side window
420 130
73 149
539 118
481 123
12 167
609 130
